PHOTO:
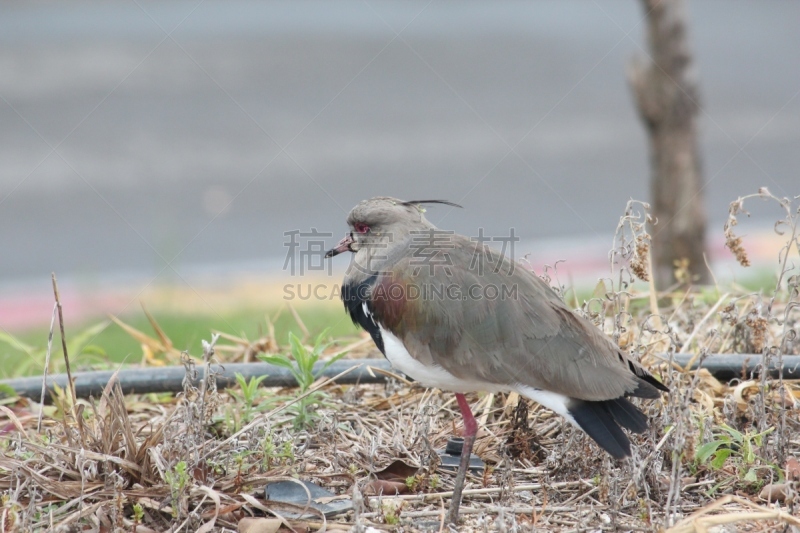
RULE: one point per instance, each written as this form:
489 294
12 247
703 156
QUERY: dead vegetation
717 454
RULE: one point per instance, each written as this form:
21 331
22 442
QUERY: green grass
113 345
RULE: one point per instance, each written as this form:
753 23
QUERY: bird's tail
602 420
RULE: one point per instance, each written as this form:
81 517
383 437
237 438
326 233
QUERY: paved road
197 132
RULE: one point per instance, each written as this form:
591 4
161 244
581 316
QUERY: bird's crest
418 203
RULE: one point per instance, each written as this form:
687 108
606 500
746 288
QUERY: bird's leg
470 430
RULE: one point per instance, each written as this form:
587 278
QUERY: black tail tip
596 420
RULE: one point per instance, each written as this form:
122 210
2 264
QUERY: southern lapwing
450 313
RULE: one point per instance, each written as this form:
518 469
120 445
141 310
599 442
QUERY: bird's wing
482 317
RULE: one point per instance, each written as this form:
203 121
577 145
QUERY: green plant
271 456
33 357
249 389
177 478
242 466
267 451
739 449
287 452
302 360
186 329
391 513
44 511
301 365
239 458
216 468
138 513
248 397
391 517
7 395
644 510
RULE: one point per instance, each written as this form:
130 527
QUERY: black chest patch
356 301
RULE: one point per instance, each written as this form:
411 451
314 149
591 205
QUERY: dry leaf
380 487
775 492
397 471
793 469
259 525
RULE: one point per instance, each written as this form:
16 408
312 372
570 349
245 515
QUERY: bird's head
378 224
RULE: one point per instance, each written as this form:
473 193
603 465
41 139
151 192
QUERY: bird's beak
343 246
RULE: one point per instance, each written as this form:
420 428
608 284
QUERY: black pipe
726 367
170 379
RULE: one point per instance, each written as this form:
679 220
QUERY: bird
451 313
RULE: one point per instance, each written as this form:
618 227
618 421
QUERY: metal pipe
170 379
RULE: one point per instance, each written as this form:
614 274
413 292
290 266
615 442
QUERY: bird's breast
355 297
428 375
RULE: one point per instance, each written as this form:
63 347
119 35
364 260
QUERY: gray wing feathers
528 337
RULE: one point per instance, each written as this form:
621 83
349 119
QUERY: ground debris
715 453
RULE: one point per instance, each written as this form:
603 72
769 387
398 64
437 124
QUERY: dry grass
197 462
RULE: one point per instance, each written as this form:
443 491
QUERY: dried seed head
734 244
758 329
728 314
9 517
732 241
639 264
736 208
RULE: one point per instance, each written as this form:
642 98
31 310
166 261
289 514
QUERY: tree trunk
667 100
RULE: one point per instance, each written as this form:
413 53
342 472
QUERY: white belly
429 376
438 377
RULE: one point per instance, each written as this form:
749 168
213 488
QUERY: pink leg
470 430
470 424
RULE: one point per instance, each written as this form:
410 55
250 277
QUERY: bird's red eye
360 227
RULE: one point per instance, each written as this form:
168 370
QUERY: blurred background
163 151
